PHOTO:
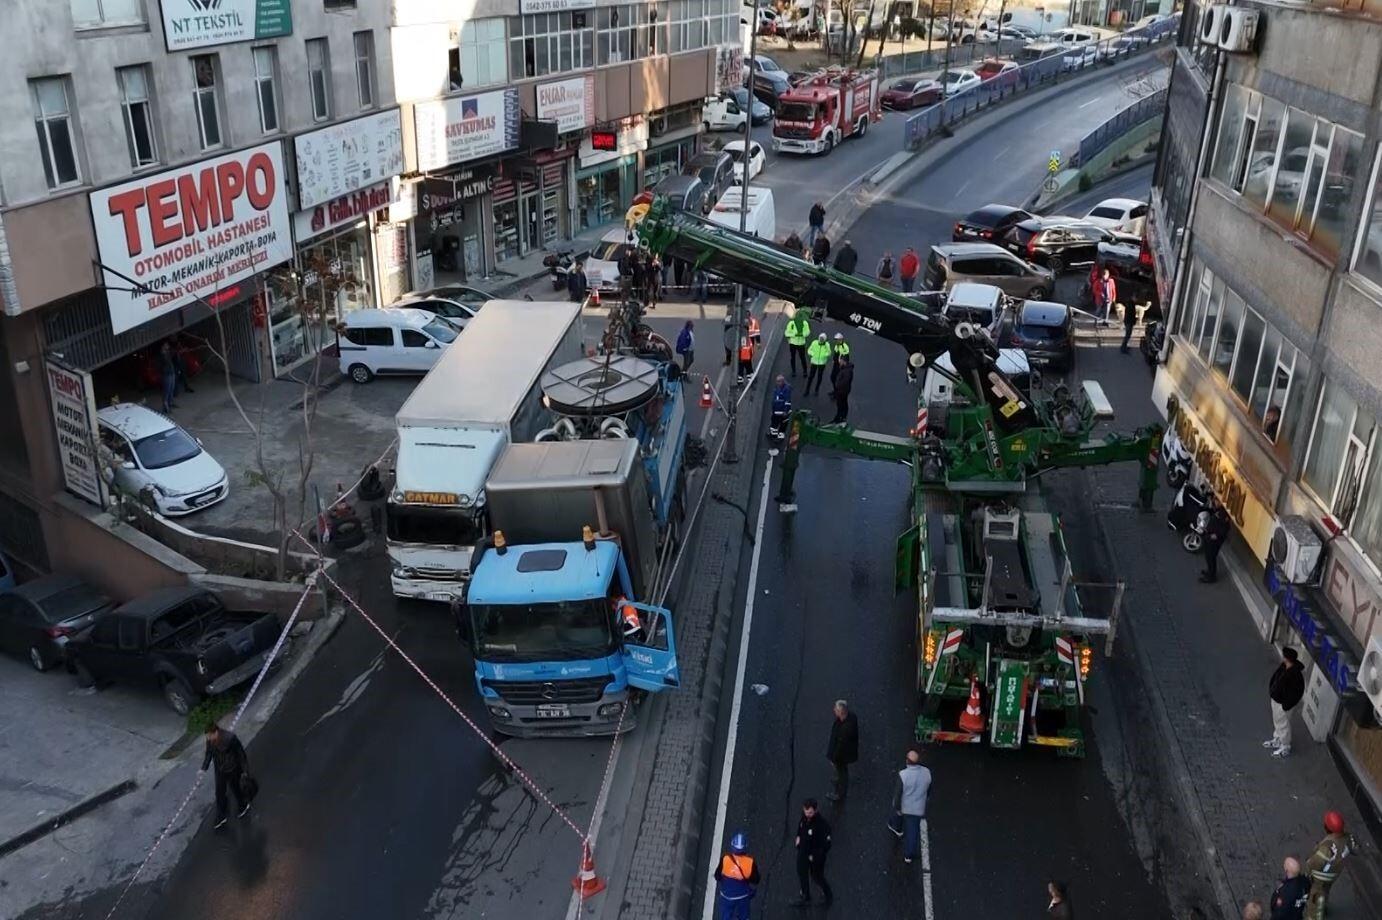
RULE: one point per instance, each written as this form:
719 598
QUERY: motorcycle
559 265
1189 516
1152 340
1177 459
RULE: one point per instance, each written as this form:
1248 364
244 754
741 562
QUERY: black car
1046 332
1058 243
988 224
37 618
715 169
768 85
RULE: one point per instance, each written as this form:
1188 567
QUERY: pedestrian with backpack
886 269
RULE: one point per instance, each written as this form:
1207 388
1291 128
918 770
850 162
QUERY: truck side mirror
464 630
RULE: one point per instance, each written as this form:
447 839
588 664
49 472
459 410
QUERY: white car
959 81
152 455
757 159
1080 56
602 268
1116 213
764 64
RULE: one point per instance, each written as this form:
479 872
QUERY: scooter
1177 459
1152 340
558 265
1189 516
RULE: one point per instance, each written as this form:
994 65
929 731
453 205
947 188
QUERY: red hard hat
1333 822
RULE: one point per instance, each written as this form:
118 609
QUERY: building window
686 22
1234 124
364 68
137 107
319 78
1367 259
102 14
1244 370
338 4
206 99
1225 347
1212 293
481 60
548 43
57 139
1334 464
266 87
1257 172
617 27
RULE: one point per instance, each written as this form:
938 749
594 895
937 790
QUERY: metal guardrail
1144 109
1046 71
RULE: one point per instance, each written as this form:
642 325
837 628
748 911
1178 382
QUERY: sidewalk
1205 666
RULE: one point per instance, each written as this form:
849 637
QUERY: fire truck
824 109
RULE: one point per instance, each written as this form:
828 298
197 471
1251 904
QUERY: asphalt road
827 624
379 800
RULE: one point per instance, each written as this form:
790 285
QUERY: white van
762 216
393 341
938 390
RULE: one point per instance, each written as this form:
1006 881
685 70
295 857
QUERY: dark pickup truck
182 641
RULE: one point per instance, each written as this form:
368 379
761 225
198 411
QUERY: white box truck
483 394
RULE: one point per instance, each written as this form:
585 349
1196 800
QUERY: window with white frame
103 14
481 60
57 137
1339 446
206 99
549 43
266 87
1367 257
364 68
686 25
319 78
618 25
136 105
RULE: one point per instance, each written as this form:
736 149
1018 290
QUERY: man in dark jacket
820 249
227 754
843 748
1288 900
846 260
1286 688
844 382
816 219
576 283
813 844
1214 536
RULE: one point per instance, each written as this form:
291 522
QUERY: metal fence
1144 109
1054 68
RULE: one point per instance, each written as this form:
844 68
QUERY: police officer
819 356
798 332
839 348
1325 864
738 877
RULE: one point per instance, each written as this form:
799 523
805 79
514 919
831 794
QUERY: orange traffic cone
707 400
595 298
972 719
587 883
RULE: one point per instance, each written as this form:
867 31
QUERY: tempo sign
165 240
74 420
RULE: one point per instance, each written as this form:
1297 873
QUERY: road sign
1050 185
1053 164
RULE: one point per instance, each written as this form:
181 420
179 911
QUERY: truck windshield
433 526
543 632
796 111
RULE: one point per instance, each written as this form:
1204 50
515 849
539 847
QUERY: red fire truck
822 110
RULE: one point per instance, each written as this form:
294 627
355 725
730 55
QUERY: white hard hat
822 336
839 336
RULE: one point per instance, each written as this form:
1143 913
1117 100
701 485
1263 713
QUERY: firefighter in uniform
1326 862
838 349
738 877
798 331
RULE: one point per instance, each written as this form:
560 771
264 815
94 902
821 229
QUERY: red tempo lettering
194 203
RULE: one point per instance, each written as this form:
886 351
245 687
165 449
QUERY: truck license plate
553 710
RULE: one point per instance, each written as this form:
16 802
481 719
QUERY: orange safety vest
746 349
736 867
629 614
754 329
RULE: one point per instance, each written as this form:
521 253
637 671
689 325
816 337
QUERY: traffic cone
595 298
972 719
707 399
587 884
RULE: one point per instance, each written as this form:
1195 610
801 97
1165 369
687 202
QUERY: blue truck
556 613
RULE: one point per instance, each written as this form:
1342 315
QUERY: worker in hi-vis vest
738 877
819 356
798 333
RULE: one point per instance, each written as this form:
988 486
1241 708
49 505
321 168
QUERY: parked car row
181 641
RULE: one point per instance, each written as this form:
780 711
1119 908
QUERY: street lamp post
732 433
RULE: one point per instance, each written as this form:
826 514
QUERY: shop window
1367 258
319 78
266 87
1232 124
1260 167
364 68
547 43
481 53
136 105
103 14
57 139
1230 323
206 99
1334 446
1249 351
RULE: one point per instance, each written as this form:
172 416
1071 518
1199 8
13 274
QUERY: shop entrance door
531 209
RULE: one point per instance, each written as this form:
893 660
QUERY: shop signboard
202 23
632 137
340 212
1250 513
1353 590
168 239
569 103
554 6
339 159
1338 665
74 420
463 128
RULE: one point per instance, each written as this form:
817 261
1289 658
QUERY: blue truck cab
555 652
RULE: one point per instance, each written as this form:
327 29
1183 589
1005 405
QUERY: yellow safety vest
841 348
819 352
798 331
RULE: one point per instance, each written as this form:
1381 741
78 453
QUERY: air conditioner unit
1370 674
1209 24
1238 29
658 126
1296 548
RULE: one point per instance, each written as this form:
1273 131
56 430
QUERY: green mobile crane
1003 634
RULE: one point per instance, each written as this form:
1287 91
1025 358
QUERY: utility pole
732 410
949 40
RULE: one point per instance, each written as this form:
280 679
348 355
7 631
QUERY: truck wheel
829 142
361 374
863 127
178 695
347 533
